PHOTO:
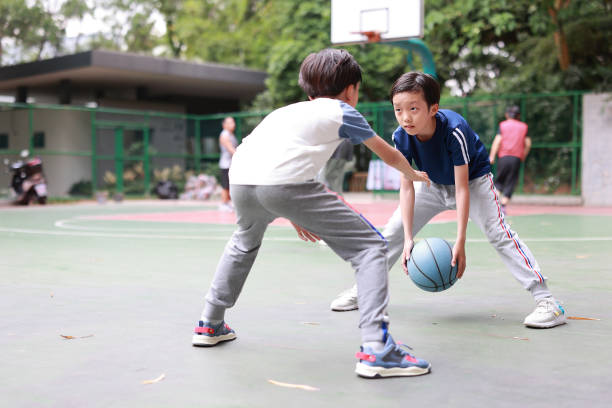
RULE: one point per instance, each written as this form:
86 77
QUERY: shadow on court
99 302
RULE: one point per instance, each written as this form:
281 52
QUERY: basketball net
373 36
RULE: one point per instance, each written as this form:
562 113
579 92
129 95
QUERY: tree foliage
33 28
479 46
521 45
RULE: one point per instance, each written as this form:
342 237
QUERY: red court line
378 213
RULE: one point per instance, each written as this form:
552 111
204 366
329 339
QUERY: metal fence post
574 141
31 128
522 168
94 158
146 160
119 160
198 147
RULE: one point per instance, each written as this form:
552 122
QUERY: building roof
160 76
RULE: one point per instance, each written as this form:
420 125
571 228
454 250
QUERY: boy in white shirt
272 175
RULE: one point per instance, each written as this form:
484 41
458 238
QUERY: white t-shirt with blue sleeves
293 143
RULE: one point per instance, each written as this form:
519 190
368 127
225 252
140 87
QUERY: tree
520 45
137 35
32 28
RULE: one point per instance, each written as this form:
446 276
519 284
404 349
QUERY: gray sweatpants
485 211
321 212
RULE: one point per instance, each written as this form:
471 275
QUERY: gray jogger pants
485 211
321 212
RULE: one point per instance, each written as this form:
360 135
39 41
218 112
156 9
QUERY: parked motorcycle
27 181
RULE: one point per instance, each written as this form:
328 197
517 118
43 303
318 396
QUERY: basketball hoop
369 21
373 36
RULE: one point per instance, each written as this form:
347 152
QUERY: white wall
68 131
597 149
15 124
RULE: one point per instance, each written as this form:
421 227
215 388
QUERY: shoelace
403 348
545 305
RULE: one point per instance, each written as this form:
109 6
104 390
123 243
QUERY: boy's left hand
305 235
408 245
459 258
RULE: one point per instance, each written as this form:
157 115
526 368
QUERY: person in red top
512 145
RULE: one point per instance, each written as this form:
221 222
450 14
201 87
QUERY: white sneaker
225 207
548 313
346 301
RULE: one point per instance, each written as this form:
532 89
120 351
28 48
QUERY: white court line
111 235
66 225
217 238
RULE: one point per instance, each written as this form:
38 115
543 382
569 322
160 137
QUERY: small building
80 112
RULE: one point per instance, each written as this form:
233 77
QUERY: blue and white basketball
429 265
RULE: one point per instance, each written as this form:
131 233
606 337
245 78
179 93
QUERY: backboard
383 20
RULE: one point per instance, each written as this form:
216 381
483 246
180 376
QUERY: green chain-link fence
85 150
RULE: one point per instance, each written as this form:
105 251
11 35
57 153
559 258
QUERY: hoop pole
418 46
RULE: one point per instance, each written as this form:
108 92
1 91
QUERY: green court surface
130 291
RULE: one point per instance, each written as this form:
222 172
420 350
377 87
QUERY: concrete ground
128 292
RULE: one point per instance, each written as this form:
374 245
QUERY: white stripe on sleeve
461 139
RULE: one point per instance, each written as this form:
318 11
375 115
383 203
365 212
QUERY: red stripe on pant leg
501 222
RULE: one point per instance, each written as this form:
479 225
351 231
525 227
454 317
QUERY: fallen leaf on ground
507 337
312 323
299 386
158 379
581 318
76 337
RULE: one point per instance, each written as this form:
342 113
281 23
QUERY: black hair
513 111
328 72
417 82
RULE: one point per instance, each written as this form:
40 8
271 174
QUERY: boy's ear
433 109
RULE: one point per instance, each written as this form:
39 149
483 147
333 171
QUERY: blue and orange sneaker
207 335
393 361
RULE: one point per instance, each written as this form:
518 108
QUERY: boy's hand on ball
459 258
408 245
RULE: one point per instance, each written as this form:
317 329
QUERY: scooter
28 181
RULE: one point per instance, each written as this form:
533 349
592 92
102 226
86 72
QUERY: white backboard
394 19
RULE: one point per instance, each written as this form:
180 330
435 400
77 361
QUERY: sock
212 314
376 346
540 291
212 322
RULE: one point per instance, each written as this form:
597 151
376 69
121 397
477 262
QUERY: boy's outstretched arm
395 159
407 209
462 198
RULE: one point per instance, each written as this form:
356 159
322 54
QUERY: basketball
429 265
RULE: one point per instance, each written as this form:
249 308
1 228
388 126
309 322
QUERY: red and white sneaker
206 335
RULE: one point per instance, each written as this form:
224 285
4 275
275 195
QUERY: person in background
227 144
511 145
